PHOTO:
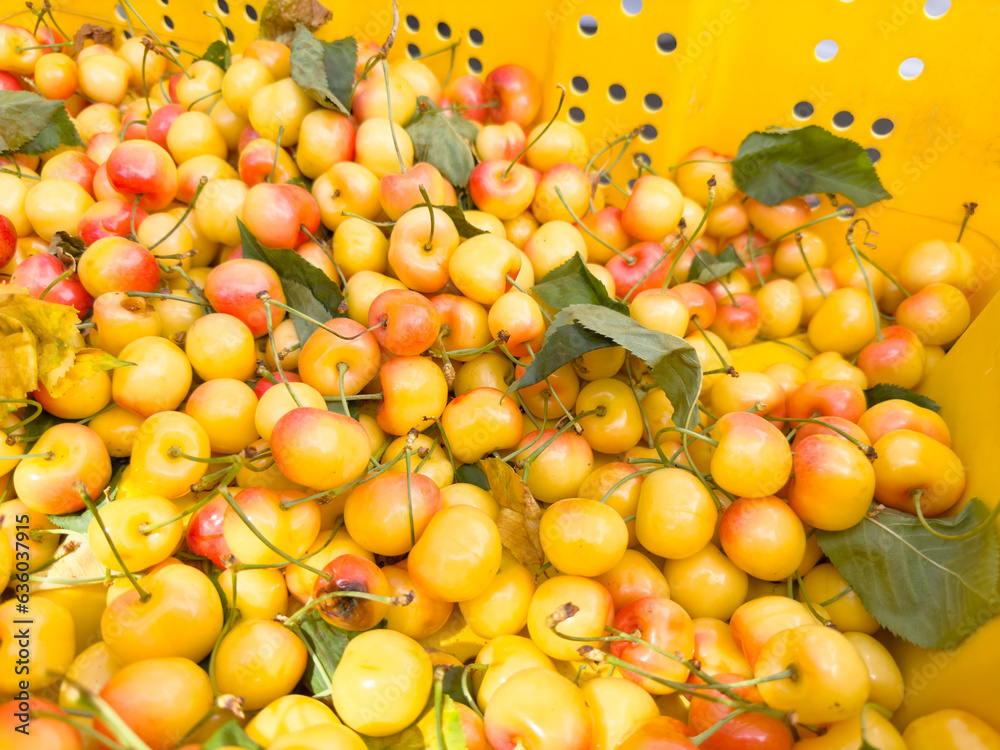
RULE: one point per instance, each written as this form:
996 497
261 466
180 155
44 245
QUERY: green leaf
280 17
444 143
353 408
706 268
324 70
31 124
472 474
64 243
307 289
462 226
218 52
775 165
326 645
927 590
572 283
579 329
230 734
451 726
887 392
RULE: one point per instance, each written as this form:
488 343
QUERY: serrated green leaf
279 18
230 734
451 727
444 143
706 267
928 590
307 289
572 283
578 329
889 392
31 124
472 474
462 226
218 52
775 165
324 70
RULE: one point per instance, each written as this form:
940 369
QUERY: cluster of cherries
268 466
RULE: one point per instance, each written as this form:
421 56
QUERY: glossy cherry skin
38 271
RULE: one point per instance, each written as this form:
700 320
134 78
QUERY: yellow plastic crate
907 79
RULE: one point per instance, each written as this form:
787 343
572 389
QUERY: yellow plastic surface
739 65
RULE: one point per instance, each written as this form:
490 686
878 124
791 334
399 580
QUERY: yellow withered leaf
520 516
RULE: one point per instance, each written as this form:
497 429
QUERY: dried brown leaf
520 516
94 33
279 18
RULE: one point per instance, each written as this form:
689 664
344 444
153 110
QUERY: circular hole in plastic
882 127
803 111
910 68
641 158
846 212
588 25
631 183
812 201
843 120
652 102
649 133
251 13
934 9
616 92
164 3
666 43
576 115
475 65
631 7
230 35
444 30
827 50
873 154
126 34
579 85
475 37
413 23
223 7
120 12
412 50
605 179
168 23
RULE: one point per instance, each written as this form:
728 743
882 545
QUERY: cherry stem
328 253
26 421
147 529
631 382
370 221
392 122
410 437
847 590
885 273
82 728
585 228
599 411
627 137
670 273
145 83
149 28
626 478
392 601
844 212
700 738
466 692
20 174
697 324
863 447
277 153
970 208
84 493
292 311
224 491
752 255
698 161
430 208
809 268
22 50
162 295
917 495
522 290
274 349
326 494
238 566
439 703
231 618
131 216
342 368
690 433
47 456
176 452
187 212
864 275
805 596
225 32
562 97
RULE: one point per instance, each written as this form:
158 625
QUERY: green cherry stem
392 123
863 447
274 348
562 98
439 703
173 57
81 489
277 153
629 259
187 212
917 495
970 208
392 601
864 275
